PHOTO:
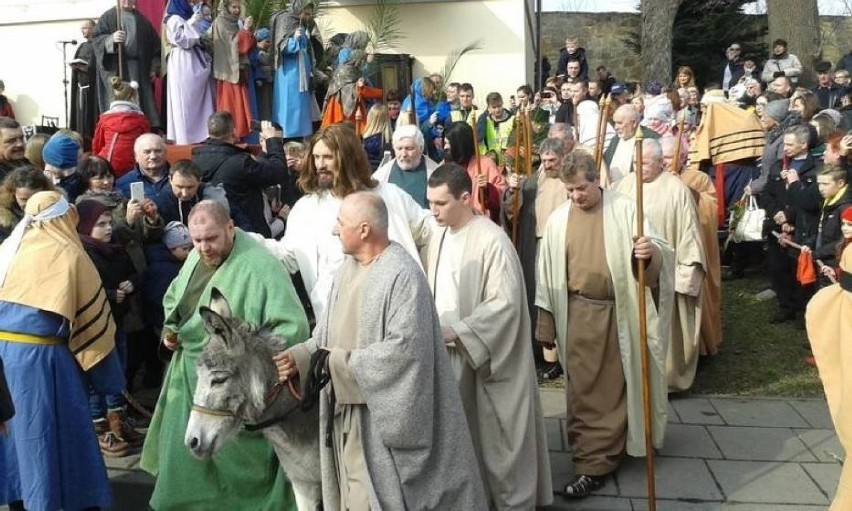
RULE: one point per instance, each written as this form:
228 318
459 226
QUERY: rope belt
30 339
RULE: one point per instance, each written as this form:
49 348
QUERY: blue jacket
152 188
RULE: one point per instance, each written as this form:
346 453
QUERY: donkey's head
234 376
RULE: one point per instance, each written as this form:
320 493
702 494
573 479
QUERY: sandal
582 486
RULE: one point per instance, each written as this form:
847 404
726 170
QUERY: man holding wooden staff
588 306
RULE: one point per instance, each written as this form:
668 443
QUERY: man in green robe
245 473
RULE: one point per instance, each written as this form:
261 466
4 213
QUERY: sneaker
111 446
582 486
121 428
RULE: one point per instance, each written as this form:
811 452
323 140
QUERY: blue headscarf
179 8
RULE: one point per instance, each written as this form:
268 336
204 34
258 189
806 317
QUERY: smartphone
137 191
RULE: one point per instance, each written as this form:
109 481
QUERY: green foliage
261 10
703 29
454 56
383 27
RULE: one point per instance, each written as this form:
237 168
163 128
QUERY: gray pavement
738 454
732 454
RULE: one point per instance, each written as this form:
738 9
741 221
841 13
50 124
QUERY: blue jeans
106 380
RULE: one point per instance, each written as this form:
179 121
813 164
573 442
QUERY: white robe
552 295
309 247
670 208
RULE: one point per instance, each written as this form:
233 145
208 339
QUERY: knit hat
835 116
262 34
847 214
61 151
777 109
176 235
89 211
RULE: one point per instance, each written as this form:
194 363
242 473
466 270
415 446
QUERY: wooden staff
482 193
603 115
412 116
676 162
643 332
119 47
516 196
529 145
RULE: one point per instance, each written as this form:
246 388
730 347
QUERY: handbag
749 225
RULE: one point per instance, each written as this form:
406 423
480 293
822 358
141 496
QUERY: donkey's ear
214 324
219 304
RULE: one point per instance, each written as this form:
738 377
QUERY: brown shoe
119 425
111 446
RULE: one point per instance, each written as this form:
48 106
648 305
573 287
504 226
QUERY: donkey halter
271 396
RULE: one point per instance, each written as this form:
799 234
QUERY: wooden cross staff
643 332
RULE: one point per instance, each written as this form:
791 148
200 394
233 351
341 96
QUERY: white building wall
31 61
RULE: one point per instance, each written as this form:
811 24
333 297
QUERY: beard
409 164
325 180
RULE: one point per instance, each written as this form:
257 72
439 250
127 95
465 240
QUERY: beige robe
670 208
711 290
829 323
552 295
497 381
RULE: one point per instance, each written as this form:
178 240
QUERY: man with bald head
151 167
619 155
245 475
670 208
386 363
704 194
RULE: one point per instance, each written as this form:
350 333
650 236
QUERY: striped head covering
43 265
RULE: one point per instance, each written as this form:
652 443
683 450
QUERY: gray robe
417 447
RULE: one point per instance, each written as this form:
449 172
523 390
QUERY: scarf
89 211
180 8
226 57
69 286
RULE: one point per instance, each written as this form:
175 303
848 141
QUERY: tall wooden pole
643 333
678 144
119 47
516 197
482 193
603 114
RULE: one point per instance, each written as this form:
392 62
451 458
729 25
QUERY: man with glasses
733 69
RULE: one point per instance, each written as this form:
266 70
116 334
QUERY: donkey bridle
318 377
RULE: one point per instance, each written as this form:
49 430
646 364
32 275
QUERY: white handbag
749 225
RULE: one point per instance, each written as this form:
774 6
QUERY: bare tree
657 21
797 22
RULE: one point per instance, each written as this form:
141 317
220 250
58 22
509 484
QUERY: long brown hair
353 169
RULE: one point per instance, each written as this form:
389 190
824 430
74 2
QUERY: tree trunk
657 21
797 22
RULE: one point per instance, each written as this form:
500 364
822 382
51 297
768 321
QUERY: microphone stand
65 81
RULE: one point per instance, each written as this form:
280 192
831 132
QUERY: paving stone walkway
720 454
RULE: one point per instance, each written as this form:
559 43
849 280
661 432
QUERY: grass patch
756 358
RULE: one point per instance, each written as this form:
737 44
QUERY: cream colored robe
711 291
498 382
829 322
552 295
670 208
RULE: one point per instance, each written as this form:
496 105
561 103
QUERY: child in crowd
164 262
121 279
119 127
231 46
833 186
493 130
393 104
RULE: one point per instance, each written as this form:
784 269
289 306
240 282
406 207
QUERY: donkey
238 387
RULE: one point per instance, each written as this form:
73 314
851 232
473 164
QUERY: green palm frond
454 56
262 10
383 27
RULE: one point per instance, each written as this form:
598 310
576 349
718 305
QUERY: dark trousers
782 278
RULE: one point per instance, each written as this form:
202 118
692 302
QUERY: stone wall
602 33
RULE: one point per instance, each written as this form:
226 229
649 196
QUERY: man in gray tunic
398 434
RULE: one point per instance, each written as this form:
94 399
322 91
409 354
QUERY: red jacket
115 135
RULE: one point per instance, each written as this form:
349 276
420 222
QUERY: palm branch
383 27
454 56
